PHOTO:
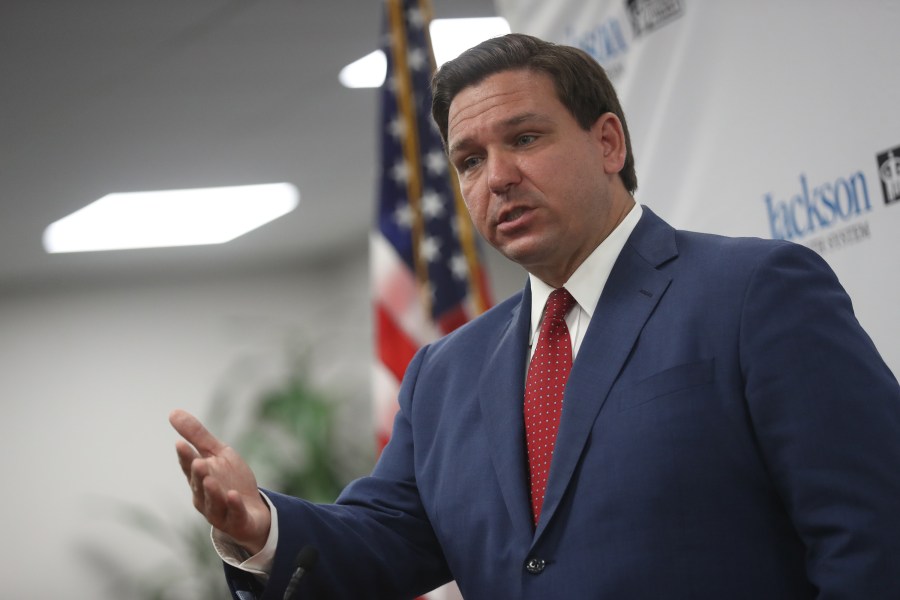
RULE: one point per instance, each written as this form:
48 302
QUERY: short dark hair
581 83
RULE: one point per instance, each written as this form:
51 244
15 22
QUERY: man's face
533 180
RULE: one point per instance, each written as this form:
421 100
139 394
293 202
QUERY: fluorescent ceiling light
366 72
450 37
170 218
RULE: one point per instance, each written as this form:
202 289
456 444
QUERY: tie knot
558 304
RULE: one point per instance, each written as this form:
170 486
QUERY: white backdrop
766 119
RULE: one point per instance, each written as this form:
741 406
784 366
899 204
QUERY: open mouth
513 215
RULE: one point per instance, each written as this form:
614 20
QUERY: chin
519 255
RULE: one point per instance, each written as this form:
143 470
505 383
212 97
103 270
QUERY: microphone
305 561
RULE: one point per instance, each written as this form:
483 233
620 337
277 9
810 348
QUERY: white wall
89 376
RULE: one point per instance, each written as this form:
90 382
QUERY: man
727 429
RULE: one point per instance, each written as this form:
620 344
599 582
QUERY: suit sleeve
826 411
376 540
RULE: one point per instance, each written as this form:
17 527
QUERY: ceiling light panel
167 218
449 38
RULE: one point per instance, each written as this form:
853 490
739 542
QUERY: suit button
535 565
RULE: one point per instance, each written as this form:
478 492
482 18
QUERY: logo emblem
647 15
889 173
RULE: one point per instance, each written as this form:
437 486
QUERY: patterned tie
544 386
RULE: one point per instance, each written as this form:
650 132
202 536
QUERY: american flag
425 266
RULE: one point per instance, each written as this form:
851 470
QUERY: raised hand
223 486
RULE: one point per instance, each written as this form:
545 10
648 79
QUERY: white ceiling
100 96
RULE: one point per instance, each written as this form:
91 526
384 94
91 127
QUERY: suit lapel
632 292
501 393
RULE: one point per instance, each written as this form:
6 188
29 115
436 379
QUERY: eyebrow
505 124
522 118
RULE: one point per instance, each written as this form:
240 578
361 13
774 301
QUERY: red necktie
544 387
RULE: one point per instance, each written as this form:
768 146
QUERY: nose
502 172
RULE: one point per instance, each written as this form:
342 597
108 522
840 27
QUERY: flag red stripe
395 348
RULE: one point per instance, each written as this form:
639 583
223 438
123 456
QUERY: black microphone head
306 558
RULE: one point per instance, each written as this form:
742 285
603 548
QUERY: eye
525 139
470 162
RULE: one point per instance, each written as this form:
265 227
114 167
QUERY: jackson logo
889 173
647 15
816 208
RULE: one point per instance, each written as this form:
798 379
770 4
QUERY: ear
610 135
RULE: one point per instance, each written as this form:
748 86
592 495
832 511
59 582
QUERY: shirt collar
589 279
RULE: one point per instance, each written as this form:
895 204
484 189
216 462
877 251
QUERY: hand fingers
209 496
224 509
214 503
194 432
223 487
186 455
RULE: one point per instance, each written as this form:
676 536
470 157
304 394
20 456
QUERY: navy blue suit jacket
728 431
